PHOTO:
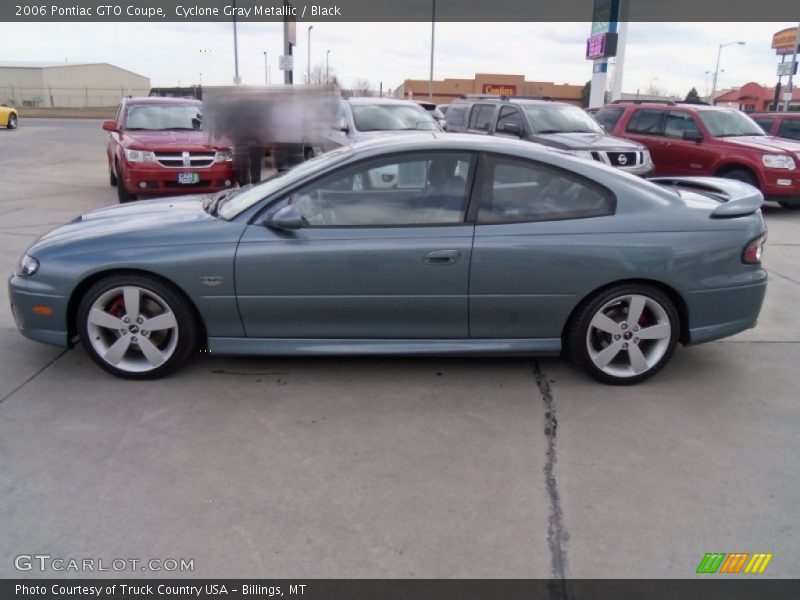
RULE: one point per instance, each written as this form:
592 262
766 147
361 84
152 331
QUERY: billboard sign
605 16
785 68
784 41
602 45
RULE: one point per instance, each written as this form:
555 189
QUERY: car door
646 126
379 263
509 123
682 156
480 118
530 263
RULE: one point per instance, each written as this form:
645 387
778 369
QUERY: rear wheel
625 334
12 121
136 326
789 205
112 178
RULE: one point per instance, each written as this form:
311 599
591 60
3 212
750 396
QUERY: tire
742 175
129 302
308 154
112 178
789 205
12 121
600 338
123 195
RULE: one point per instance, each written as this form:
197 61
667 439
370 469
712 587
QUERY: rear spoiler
738 198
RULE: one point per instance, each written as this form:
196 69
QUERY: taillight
754 250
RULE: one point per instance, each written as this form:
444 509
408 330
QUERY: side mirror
109 125
286 218
512 128
342 126
693 136
443 125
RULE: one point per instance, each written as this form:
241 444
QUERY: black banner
391 10
388 589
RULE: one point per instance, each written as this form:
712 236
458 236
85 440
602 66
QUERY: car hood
585 141
765 143
152 222
175 141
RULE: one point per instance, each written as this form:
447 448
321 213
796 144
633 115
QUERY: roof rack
667 102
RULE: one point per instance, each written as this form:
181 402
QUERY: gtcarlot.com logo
46 562
721 562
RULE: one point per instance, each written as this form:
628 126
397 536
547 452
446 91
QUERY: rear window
647 121
480 118
608 117
790 128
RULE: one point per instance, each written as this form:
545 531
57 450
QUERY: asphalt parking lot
431 468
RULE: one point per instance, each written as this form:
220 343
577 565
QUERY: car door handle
442 257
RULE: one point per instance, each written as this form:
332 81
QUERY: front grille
624 159
185 160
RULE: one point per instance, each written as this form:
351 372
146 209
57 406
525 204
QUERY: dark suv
555 124
689 139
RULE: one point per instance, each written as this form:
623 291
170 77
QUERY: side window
790 128
480 117
764 122
515 190
409 189
678 123
456 116
647 121
509 115
608 117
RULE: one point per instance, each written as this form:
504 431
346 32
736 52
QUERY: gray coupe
480 245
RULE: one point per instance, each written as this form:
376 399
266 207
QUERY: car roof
510 100
375 101
774 113
666 105
161 100
437 140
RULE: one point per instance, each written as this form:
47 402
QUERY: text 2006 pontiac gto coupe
479 245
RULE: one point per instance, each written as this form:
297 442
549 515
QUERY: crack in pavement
557 535
34 376
782 276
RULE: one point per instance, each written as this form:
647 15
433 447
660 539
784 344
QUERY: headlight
223 156
140 156
27 266
582 154
646 156
778 161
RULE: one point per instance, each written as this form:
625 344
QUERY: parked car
555 124
780 124
531 251
434 111
8 117
443 109
157 146
691 139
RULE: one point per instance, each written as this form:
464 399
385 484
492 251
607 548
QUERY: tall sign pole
433 32
602 45
787 97
236 79
289 40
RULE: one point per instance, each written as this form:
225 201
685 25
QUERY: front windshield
392 117
729 123
160 117
239 201
555 118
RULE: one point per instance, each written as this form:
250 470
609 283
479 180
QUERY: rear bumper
142 179
722 312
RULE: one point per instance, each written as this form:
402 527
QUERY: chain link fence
65 97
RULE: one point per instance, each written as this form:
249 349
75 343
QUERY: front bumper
779 184
142 179
28 301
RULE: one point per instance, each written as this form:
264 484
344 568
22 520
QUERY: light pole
310 27
266 69
433 32
327 62
716 69
236 79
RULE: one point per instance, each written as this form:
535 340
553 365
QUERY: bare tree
363 87
320 75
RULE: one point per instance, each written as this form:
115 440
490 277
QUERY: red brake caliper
116 307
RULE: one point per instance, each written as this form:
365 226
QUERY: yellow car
8 117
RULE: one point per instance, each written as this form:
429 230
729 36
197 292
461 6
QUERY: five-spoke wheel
625 334
136 326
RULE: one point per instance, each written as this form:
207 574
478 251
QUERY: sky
673 57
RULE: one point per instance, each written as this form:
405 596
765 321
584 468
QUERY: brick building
447 90
753 97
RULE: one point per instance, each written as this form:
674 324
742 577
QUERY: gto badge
211 280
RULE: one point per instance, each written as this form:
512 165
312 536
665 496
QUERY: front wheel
12 121
136 326
625 334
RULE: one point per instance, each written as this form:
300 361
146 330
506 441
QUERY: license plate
188 177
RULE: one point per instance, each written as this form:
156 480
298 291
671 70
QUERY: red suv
157 146
690 139
780 124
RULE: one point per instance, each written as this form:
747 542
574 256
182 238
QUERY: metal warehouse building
68 84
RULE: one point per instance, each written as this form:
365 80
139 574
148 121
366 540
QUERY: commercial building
68 84
447 90
754 97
